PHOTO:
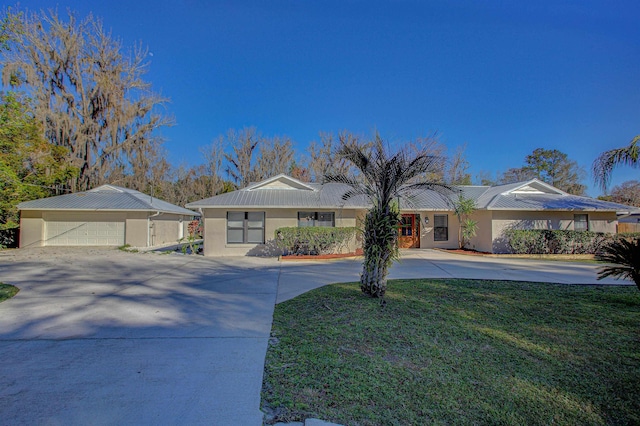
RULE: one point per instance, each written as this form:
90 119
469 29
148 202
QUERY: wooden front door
409 231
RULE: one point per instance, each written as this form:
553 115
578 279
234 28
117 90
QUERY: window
245 227
406 226
316 219
440 228
580 222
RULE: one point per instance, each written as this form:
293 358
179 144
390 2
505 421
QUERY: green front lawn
7 291
457 352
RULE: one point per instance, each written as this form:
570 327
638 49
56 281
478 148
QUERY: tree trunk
380 247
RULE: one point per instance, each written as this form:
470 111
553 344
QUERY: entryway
409 231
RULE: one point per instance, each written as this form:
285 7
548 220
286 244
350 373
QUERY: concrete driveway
106 337
119 338
299 277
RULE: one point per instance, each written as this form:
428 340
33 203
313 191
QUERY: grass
7 291
457 352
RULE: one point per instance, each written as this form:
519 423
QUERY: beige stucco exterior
491 226
215 230
168 228
426 230
535 205
31 229
142 229
483 241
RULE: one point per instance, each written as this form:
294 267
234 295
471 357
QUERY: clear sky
502 77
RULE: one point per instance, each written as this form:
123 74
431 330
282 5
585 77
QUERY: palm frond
624 259
605 163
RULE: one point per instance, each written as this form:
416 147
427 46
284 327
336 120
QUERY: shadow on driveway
135 338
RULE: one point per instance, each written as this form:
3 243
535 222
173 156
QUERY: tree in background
432 145
324 158
213 155
383 179
244 144
626 193
89 94
299 172
457 170
516 174
605 163
555 168
275 157
254 157
30 167
486 178
550 166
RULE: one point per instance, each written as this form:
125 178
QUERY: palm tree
604 164
467 227
383 179
624 257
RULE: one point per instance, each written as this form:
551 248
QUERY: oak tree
89 93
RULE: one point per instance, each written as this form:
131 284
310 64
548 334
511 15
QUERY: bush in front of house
313 240
544 241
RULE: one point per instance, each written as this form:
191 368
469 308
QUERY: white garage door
60 232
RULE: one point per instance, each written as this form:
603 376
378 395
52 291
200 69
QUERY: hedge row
313 240
543 241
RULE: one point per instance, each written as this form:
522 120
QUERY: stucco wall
426 230
166 228
503 220
483 241
31 229
215 230
136 229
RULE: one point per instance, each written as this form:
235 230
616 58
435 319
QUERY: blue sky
501 77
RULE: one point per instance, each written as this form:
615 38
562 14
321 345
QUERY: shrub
525 241
544 241
313 240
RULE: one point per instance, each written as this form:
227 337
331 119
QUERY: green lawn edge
7 291
457 352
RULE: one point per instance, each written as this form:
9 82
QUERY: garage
71 230
108 215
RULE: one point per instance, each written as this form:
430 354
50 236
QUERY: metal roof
106 198
554 202
529 195
537 195
325 196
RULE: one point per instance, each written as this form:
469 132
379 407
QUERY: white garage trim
72 229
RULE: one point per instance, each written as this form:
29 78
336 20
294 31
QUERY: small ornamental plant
194 228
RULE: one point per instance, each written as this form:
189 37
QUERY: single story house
104 216
244 222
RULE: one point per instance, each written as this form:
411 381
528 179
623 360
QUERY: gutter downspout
149 227
203 226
